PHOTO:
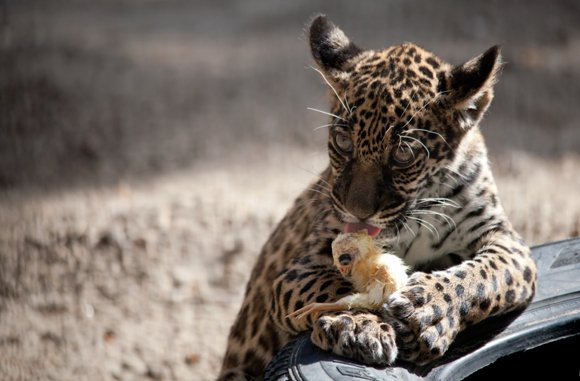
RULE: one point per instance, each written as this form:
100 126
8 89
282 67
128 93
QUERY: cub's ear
330 47
471 86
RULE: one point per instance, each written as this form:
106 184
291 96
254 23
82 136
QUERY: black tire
547 333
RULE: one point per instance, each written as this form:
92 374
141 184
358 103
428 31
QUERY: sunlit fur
439 212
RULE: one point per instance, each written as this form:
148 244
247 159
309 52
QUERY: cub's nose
345 259
362 199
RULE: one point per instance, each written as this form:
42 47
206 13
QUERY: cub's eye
404 156
343 142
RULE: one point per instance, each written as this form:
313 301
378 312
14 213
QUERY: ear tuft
330 47
471 85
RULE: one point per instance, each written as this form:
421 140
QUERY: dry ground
148 148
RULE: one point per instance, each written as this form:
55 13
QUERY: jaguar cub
407 162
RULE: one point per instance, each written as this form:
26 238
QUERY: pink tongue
352 228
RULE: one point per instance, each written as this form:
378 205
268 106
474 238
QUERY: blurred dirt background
147 149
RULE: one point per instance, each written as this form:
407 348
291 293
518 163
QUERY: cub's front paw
357 335
426 313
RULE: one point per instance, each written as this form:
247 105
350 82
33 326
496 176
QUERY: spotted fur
406 154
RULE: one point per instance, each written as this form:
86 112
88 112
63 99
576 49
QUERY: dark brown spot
343 290
460 274
494 282
308 286
256 325
286 300
322 298
298 305
419 301
484 304
480 290
252 360
291 275
325 285
483 273
425 70
463 309
231 360
510 296
508 277
428 339
431 61
437 312
528 274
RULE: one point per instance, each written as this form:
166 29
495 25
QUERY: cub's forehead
397 73
388 87
400 61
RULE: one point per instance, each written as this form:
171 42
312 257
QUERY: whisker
306 203
340 207
323 126
410 149
317 176
447 219
318 191
424 106
334 90
328 125
429 226
457 179
326 113
420 142
392 125
321 214
387 131
451 175
398 231
438 200
323 184
452 187
320 187
409 229
416 112
408 104
430 132
456 173
421 222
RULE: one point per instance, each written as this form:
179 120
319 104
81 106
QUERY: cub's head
400 117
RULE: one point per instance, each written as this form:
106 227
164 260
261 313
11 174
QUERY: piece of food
374 274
